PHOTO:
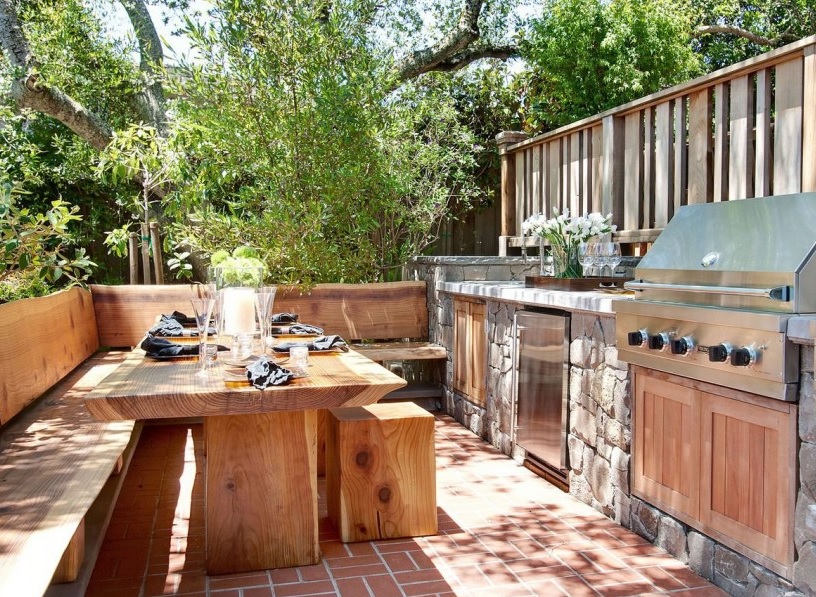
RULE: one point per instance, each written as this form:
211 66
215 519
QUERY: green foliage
586 56
34 246
780 21
293 147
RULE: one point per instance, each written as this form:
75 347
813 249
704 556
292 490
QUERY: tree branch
744 33
471 55
151 102
426 59
14 42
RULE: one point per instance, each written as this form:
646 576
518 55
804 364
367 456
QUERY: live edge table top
144 388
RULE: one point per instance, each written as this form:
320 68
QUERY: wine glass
264 299
613 256
202 308
586 256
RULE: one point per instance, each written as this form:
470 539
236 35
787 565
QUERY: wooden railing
748 130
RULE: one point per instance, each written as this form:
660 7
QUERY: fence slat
809 124
787 176
699 172
575 191
534 205
633 166
721 118
762 143
597 168
520 190
555 176
680 154
647 212
741 154
664 163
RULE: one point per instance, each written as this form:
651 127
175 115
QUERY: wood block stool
381 471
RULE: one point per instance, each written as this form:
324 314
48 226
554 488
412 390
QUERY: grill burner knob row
682 346
659 341
719 353
743 357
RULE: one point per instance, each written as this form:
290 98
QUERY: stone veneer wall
600 433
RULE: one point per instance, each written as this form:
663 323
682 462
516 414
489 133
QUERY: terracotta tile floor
502 532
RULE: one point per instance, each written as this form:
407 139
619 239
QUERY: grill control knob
638 338
682 346
719 353
743 357
659 341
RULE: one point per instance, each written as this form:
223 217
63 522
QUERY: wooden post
155 241
133 256
809 122
145 252
508 176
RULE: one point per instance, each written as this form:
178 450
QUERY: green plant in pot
241 268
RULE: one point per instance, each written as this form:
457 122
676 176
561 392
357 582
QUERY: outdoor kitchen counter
515 292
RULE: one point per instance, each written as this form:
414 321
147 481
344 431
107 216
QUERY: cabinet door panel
748 474
478 353
461 357
667 445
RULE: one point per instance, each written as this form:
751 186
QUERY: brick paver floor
503 531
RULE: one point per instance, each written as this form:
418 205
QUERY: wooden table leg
261 491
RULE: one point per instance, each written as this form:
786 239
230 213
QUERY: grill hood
755 254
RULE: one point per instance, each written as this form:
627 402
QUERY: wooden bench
381 471
385 321
60 469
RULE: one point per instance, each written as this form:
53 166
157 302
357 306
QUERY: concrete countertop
515 292
801 328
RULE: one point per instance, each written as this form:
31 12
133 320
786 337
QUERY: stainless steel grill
716 290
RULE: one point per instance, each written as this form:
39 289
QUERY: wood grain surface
381 471
143 388
261 495
380 311
43 339
54 460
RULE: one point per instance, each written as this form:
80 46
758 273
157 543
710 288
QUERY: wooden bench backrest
41 341
354 311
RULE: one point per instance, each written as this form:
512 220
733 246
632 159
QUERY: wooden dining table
261 445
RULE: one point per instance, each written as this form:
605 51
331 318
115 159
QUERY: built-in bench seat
384 321
60 469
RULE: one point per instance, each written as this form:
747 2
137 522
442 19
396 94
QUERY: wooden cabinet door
666 445
749 470
470 350
478 354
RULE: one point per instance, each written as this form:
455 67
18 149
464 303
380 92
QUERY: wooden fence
748 130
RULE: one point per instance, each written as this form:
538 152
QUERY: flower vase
544 264
565 262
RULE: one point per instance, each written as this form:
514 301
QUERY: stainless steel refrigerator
542 390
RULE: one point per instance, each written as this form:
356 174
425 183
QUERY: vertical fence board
741 154
555 175
574 197
564 191
721 118
519 191
809 124
612 173
647 209
680 153
633 166
664 163
787 175
699 147
596 168
586 171
762 143
534 206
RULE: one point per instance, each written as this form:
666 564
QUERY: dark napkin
169 327
182 318
304 328
264 373
318 344
283 318
159 347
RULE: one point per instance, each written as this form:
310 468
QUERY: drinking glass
613 256
586 256
203 307
264 299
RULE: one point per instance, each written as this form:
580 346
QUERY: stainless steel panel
775 374
750 243
542 382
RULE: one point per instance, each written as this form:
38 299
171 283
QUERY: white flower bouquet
565 233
